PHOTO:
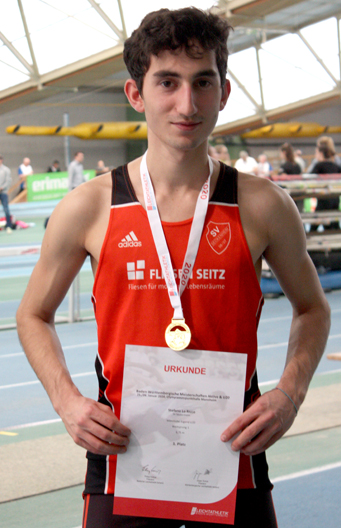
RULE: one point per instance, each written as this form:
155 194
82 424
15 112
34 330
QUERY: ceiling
255 22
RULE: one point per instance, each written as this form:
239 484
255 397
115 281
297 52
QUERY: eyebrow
169 73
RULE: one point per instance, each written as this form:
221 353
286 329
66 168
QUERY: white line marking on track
273 345
16 354
66 347
35 382
307 472
32 424
274 381
285 343
287 317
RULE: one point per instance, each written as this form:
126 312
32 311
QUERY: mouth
187 125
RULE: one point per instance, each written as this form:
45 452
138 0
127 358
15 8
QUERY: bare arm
91 424
266 420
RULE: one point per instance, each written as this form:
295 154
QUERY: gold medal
178 335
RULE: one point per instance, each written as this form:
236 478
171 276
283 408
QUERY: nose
186 104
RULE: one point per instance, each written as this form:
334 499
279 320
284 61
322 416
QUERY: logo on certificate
218 236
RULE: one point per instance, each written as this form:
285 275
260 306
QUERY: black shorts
254 509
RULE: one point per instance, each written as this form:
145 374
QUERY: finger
239 424
253 430
263 440
105 416
107 436
257 448
89 424
95 445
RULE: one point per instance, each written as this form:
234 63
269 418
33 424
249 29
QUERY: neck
173 169
177 177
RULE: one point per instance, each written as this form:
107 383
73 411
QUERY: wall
81 107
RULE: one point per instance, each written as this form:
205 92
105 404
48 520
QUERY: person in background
24 170
101 168
5 181
54 167
324 141
325 165
76 171
299 160
288 165
212 152
264 168
223 154
246 163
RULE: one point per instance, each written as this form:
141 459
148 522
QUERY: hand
95 427
262 424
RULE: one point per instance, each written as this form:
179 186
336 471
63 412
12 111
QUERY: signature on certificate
151 471
199 476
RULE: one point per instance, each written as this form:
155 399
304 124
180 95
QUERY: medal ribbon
160 240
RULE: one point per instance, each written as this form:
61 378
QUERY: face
80 157
318 155
181 99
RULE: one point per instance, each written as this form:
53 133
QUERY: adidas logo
130 240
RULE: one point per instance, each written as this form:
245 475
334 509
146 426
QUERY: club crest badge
218 236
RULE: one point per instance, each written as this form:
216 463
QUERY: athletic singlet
222 302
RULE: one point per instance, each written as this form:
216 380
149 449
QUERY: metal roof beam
28 36
106 19
260 79
259 109
122 19
15 52
338 20
318 58
285 112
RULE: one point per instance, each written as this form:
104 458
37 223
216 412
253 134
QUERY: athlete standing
177 62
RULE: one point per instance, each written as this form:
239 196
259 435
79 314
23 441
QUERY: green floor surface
58 509
305 451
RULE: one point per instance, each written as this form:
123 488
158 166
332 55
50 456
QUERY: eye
167 83
204 83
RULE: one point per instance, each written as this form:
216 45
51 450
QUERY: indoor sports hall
61 91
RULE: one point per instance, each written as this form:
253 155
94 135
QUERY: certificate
177 404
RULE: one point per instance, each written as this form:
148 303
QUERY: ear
226 94
133 95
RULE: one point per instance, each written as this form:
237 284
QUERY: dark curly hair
174 30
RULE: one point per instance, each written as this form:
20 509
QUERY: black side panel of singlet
226 190
122 189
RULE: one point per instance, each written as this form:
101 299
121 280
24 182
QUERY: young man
177 62
24 170
76 171
5 181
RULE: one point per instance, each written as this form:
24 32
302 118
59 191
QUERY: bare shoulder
255 193
268 215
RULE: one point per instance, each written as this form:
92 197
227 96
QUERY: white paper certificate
177 404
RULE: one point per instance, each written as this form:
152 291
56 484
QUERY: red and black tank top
221 304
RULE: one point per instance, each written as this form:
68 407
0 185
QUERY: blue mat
330 280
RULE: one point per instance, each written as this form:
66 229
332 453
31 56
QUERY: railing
16 265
